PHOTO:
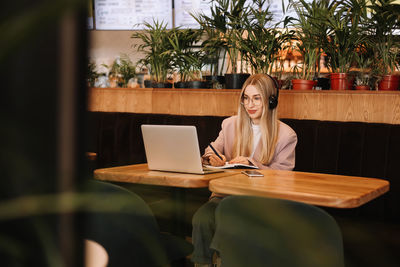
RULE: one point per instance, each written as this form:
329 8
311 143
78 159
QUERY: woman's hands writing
240 160
216 161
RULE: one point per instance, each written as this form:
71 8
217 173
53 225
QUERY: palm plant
279 72
154 43
309 29
124 68
234 12
306 69
264 41
366 65
385 19
186 58
121 70
213 28
344 20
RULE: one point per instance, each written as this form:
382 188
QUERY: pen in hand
215 151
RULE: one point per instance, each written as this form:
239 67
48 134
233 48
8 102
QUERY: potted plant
264 42
305 71
279 72
312 28
309 30
213 28
123 70
113 79
154 45
365 76
382 24
187 58
344 21
92 74
232 36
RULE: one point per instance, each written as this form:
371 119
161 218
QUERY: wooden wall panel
121 100
369 106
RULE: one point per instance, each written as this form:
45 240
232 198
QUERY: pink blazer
284 156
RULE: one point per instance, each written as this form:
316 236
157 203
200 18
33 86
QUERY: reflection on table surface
327 190
140 174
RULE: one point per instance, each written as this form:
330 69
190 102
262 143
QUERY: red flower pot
341 81
362 87
298 84
389 83
350 82
280 82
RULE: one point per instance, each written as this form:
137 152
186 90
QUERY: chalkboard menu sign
130 14
183 9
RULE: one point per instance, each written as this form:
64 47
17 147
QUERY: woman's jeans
203 231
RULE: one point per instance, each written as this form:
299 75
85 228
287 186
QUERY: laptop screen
172 148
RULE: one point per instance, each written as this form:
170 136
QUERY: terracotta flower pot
350 82
389 83
279 82
299 84
362 87
341 81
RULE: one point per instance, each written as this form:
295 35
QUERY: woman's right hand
216 161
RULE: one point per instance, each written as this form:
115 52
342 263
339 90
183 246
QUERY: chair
130 234
256 231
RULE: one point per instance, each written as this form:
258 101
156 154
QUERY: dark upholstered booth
346 148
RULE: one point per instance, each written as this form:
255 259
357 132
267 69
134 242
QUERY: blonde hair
243 142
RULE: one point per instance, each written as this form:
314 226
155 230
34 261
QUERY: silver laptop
173 148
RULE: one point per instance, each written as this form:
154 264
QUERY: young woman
255 137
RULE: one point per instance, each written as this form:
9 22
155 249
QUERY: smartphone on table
252 173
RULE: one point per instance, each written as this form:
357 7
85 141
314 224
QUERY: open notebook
233 166
173 148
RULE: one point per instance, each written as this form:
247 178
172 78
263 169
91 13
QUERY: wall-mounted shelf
364 106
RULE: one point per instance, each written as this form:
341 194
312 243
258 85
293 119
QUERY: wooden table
327 190
140 174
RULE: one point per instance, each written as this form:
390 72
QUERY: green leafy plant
92 74
310 30
154 45
122 70
213 28
264 42
306 69
235 11
345 20
279 72
366 66
187 58
224 31
384 21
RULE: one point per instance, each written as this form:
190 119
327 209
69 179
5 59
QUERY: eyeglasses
256 100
